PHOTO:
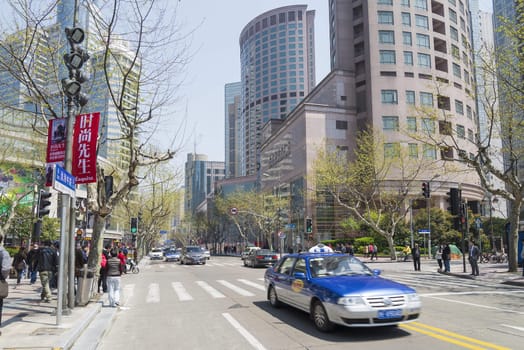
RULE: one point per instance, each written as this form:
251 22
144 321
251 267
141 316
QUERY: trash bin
84 286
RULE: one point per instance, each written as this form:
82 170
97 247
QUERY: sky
217 62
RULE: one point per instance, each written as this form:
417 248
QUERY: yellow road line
451 337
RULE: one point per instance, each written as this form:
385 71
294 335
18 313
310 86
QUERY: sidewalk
28 323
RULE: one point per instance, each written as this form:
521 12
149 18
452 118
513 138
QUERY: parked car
338 289
246 252
156 254
192 255
173 254
260 257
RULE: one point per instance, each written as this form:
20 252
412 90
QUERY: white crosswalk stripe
234 288
181 292
212 291
153 293
252 284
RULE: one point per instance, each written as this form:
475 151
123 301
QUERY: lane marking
476 305
153 293
127 293
234 288
514 327
214 293
451 337
181 292
252 284
248 336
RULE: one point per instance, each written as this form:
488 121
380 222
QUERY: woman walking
20 264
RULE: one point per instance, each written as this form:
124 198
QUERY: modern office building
233 127
277 60
414 80
201 176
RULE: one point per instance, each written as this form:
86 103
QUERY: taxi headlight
413 297
350 301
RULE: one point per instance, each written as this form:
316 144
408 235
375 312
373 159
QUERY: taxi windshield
323 266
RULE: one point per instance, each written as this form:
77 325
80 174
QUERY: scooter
131 266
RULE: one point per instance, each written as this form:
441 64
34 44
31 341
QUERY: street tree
374 183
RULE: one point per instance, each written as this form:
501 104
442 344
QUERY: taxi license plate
385 314
267 258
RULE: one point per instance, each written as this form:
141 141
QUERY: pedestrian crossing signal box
134 225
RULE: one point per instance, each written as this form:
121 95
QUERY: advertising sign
85 136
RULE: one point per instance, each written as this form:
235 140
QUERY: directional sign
423 231
291 226
63 181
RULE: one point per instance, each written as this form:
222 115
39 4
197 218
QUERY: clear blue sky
217 62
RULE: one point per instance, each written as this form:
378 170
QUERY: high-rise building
277 60
201 176
414 75
232 93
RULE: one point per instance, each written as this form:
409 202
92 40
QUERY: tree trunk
513 236
391 245
97 242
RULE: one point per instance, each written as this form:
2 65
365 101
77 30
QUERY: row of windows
426 99
392 150
391 123
422 4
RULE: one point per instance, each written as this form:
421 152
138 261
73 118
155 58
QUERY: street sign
234 211
63 181
291 226
423 231
163 232
281 235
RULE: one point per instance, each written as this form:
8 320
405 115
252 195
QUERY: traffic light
74 61
426 192
454 198
43 203
134 225
309 225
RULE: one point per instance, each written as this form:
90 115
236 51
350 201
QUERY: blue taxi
338 289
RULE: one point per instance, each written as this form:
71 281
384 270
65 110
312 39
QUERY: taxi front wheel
320 318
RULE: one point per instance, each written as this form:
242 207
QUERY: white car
206 253
246 252
156 254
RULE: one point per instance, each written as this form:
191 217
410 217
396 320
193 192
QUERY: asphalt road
222 305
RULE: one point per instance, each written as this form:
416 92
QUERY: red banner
85 137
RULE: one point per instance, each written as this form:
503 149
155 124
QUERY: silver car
192 255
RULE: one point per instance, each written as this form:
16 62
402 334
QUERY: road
222 305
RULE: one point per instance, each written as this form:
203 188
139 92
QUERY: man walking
114 271
47 263
416 257
474 253
31 263
5 267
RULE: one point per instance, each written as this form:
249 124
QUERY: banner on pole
56 140
85 135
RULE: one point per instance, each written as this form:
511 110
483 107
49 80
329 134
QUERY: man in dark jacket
32 257
47 263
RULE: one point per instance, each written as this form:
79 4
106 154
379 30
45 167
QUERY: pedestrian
5 268
374 253
122 258
47 266
522 257
416 257
350 250
446 257
31 263
438 256
114 273
20 264
370 251
366 251
474 253
102 278
80 259
406 251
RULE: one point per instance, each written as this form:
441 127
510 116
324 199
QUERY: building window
424 60
389 96
386 37
406 38
412 124
408 58
423 41
341 124
390 123
456 70
428 125
430 152
385 2
453 32
461 131
421 21
413 150
391 150
459 107
410 97
385 17
470 135
452 16
387 57
468 112
421 4
426 99
406 19
404 3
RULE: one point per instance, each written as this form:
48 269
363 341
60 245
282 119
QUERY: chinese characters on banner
85 135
